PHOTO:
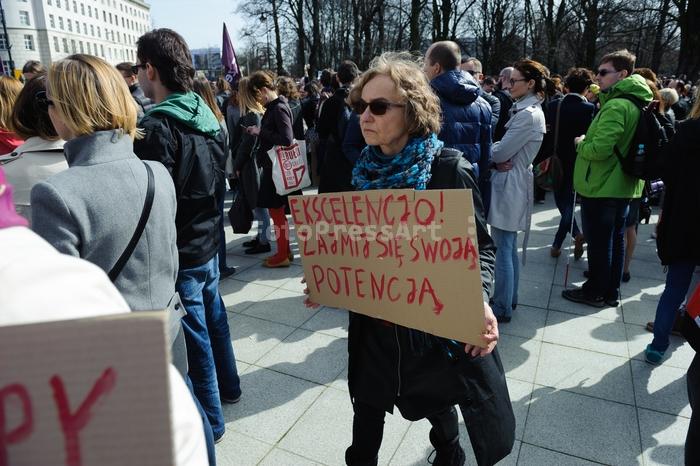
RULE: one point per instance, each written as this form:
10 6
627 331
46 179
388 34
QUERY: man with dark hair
183 133
336 166
473 67
466 116
605 189
143 103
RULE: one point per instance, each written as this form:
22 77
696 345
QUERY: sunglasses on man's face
376 107
135 68
603 71
43 100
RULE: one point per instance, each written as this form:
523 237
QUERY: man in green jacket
604 188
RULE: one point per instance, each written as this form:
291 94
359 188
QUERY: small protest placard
85 392
408 257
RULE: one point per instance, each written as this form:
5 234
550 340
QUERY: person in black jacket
502 93
275 130
677 233
575 115
336 169
143 103
183 134
391 365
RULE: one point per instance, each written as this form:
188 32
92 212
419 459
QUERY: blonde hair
669 96
9 90
246 100
90 95
422 109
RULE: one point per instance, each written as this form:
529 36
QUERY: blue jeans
263 218
604 228
678 281
212 364
222 236
208 434
505 291
564 199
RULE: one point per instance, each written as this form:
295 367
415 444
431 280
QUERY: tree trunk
414 24
689 22
278 37
357 6
314 58
590 32
657 50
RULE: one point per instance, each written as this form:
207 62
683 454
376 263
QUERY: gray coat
91 211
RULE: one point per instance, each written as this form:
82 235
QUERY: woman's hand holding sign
490 335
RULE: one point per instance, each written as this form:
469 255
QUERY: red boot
281 258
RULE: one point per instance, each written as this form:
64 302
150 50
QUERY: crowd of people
169 145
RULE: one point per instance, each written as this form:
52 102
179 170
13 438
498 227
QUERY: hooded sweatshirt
190 109
598 173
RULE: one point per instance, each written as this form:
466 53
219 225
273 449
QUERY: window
65 45
24 18
82 47
55 45
49 2
75 6
102 50
70 25
104 16
99 32
89 11
3 42
92 30
85 28
58 5
60 22
28 42
72 46
52 21
82 9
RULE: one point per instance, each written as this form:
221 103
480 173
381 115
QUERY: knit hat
8 215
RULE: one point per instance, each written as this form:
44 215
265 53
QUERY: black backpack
644 157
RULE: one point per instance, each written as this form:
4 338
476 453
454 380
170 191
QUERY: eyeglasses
135 68
376 107
472 72
603 71
513 81
43 100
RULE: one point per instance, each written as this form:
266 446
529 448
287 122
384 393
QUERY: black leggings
368 430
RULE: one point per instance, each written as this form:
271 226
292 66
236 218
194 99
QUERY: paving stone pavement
581 391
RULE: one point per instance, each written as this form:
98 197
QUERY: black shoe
514 306
626 277
231 401
503 319
580 296
253 242
219 438
612 302
446 454
227 272
259 249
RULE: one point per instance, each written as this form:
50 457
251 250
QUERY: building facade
48 30
208 61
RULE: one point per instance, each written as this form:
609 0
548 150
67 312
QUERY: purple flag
228 59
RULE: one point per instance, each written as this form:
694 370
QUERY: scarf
8 216
410 168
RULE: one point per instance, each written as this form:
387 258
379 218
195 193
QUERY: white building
48 30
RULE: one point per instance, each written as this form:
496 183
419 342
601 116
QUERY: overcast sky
200 22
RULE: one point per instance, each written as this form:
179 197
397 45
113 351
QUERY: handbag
290 167
240 214
549 173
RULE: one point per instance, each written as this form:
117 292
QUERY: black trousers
692 441
368 431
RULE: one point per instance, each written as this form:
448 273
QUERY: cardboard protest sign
85 392
408 257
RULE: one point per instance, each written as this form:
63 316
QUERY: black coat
504 115
275 130
421 374
677 234
197 163
575 117
244 159
336 169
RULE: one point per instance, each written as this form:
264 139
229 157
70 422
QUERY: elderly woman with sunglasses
41 155
390 365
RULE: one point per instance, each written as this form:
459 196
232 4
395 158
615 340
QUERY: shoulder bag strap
145 213
556 130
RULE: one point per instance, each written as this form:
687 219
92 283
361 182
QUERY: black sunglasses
376 107
43 100
602 72
135 68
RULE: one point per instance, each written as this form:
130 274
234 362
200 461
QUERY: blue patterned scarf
410 168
